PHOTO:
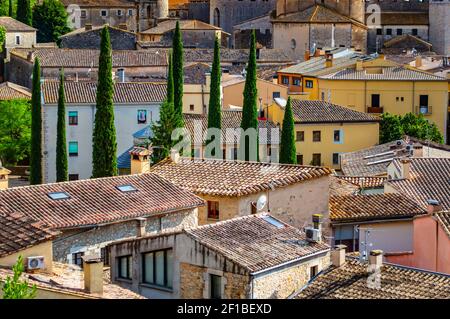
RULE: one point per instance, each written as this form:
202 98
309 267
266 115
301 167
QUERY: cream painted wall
44 249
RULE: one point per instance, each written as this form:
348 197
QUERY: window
316 136
299 159
276 95
293 44
399 31
335 158
83 14
274 222
142 116
313 271
104 13
58 195
309 84
73 118
379 31
213 210
414 32
130 12
300 136
125 266
119 13
297 81
388 31
285 80
253 208
317 159
77 259
375 100
73 177
158 268
104 256
322 96
18 40
423 99
73 148
337 136
215 287
191 107
126 188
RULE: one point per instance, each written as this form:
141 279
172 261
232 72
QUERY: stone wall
198 10
120 40
439 26
19 71
194 38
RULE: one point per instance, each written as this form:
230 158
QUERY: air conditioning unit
34 263
312 234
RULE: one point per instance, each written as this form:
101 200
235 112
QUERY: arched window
293 44
216 17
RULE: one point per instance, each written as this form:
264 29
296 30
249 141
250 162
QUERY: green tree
24 13
11 9
36 127
178 76
2 37
249 109
4 5
215 102
170 84
288 152
390 128
15 131
104 145
61 143
14 288
50 18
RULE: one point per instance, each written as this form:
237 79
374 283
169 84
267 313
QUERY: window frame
309 84
76 257
73 154
340 140
139 121
213 210
314 138
71 117
211 286
300 134
320 159
128 270
333 159
153 282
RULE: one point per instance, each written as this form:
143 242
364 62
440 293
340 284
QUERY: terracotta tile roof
169 25
87 58
324 112
444 220
254 243
195 73
97 201
340 186
356 208
13 25
350 281
69 279
235 55
430 179
18 232
405 38
365 181
231 119
233 178
10 91
100 3
404 18
85 92
388 74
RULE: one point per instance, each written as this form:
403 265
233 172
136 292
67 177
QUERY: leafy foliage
14 288
36 127
2 37
104 145
24 13
288 152
50 18
61 143
15 131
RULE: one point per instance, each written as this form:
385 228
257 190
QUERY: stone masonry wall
120 40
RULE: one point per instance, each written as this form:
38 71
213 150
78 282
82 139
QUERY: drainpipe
414 97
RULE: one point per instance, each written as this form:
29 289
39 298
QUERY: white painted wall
126 125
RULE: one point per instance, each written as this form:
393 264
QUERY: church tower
439 26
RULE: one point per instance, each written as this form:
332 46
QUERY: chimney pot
175 156
307 55
418 62
141 223
338 255
375 259
406 168
417 150
93 275
433 206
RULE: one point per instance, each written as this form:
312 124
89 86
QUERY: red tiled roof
365 181
97 201
10 91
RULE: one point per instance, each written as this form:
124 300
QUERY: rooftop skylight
58 195
126 188
273 222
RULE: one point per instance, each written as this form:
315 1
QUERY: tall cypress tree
170 85
36 127
288 152
178 77
249 109
215 103
61 144
104 144
11 9
24 13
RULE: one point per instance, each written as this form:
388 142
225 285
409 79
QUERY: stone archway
216 21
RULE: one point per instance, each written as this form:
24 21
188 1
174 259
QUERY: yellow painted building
323 131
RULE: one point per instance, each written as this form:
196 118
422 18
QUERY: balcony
375 110
424 109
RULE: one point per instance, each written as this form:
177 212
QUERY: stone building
263 31
300 25
252 257
89 38
439 26
228 13
198 10
89 214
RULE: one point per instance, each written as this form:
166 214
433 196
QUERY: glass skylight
58 195
273 222
126 188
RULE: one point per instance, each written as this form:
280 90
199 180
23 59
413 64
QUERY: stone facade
439 26
263 30
90 39
198 10
93 239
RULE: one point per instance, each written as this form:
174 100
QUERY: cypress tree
11 9
288 152
214 110
249 109
36 127
104 152
24 13
61 144
178 77
170 87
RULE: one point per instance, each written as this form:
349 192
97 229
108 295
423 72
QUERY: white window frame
17 36
120 12
101 13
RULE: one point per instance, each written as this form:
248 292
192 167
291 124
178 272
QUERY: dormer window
59 195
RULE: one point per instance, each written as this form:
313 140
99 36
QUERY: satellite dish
261 203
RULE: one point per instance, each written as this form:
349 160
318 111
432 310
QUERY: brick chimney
417 150
141 223
307 55
93 275
30 56
375 259
4 177
434 206
140 160
405 166
418 62
328 59
88 27
338 255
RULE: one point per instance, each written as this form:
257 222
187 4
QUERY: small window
316 136
126 188
317 159
130 12
125 266
399 31
337 136
77 259
74 177
299 159
142 116
285 80
253 208
335 158
300 136
119 13
104 256
309 84
388 31
276 95
313 271
414 31
322 96
18 40
216 287
73 148
273 222
158 268
296 81
191 107
293 44
104 13
213 210
73 118
58 195
83 14
379 31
